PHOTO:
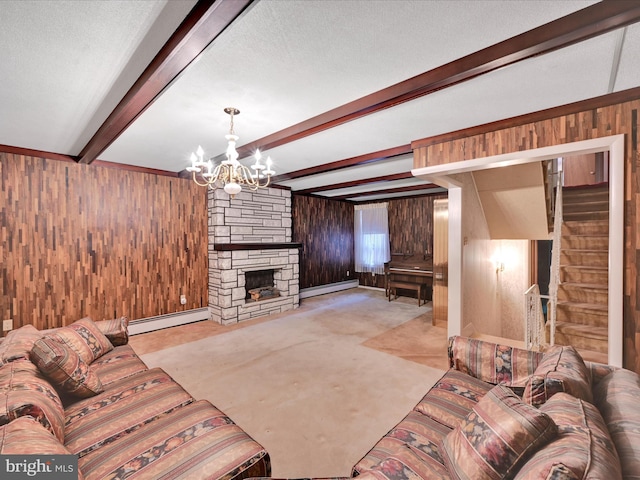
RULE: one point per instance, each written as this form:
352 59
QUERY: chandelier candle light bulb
230 173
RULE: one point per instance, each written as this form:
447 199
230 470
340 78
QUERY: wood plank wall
325 229
83 240
410 230
559 127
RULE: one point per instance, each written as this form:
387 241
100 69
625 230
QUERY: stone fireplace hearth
249 233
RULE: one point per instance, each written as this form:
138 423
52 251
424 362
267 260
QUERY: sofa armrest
491 362
115 330
598 371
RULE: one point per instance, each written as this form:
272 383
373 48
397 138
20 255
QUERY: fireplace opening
259 285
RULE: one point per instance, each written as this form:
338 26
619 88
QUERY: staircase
582 307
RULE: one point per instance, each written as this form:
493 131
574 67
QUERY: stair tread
584 267
582 330
592 286
585 306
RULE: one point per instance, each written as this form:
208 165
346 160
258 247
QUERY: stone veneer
261 217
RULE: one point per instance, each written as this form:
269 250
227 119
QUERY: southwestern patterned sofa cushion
452 398
195 441
25 392
496 437
406 464
122 408
583 448
422 433
18 343
85 338
561 370
119 363
492 363
617 397
65 368
24 436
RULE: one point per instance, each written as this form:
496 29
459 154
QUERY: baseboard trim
159 322
328 288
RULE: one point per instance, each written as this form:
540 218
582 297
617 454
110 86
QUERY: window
371 238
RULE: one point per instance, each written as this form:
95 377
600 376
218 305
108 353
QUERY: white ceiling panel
629 68
372 198
376 186
286 61
403 163
564 76
66 64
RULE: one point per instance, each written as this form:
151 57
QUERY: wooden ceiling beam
576 27
207 20
388 191
356 183
348 162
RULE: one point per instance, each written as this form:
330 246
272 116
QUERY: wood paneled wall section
81 240
410 230
325 229
619 118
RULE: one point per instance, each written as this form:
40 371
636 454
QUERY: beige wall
493 302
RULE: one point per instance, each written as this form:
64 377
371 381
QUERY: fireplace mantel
227 247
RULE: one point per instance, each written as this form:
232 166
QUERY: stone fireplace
247 234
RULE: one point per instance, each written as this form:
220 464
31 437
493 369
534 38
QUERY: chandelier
230 173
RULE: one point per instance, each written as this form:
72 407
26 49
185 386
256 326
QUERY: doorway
613 146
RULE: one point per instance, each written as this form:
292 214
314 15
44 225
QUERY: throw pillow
25 436
561 370
25 392
17 344
115 330
85 338
495 438
65 368
583 448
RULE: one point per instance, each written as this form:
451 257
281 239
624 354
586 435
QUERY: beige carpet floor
304 384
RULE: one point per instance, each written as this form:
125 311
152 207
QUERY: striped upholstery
26 436
452 398
583 448
420 432
561 370
64 368
617 397
115 330
142 398
18 343
491 362
85 338
195 441
405 464
119 363
25 392
496 437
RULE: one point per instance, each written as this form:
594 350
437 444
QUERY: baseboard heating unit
328 288
159 322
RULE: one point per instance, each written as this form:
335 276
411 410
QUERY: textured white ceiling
66 65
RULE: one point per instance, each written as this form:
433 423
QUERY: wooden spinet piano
409 272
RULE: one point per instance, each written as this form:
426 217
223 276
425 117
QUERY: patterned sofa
503 412
82 390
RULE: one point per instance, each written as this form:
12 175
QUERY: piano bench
419 288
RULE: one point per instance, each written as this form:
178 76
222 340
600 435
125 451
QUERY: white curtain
371 237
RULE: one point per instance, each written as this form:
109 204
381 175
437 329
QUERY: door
440 260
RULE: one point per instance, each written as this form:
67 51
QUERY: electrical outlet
348 272
7 325
183 299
